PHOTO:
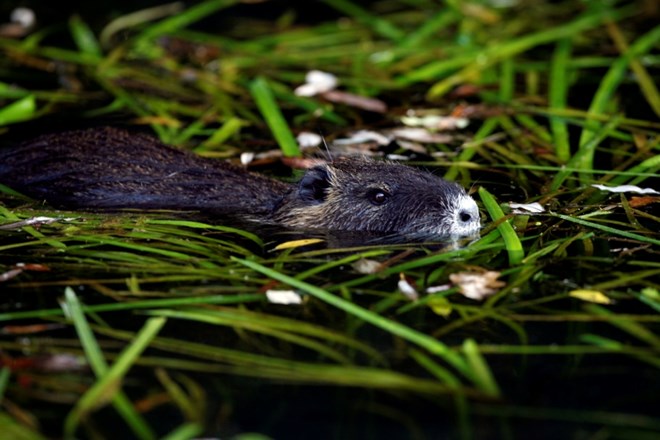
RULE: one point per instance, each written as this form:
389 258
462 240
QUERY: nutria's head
365 195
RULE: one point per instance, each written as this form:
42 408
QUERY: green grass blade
559 87
186 431
17 111
138 305
645 80
268 107
5 372
583 158
460 400
432 345
467 153
109 383
494 54
84 37
96 360
261 327
136 18
609 85
482 371
184 19
511 241
608 229
631 327
430 27
12 430
379 25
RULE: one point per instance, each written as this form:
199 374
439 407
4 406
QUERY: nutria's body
112 169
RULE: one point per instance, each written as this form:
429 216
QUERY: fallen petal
626 188
283 297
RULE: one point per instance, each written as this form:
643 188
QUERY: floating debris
366 266
526 208
407 288
34 221
477 286
317 82
625 188
286 297
307 139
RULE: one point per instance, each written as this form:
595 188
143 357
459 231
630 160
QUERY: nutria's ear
313 185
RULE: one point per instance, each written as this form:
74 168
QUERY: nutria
108 169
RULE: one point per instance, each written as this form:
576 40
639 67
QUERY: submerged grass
170 315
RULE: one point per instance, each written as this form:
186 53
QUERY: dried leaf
297 243
29 329
477 285
34 267
357 101
366 266
638 202
11 273
593 296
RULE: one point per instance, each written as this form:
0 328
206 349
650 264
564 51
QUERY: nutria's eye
465 216
378 196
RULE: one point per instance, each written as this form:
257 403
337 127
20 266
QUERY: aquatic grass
84 37
23 109
432 345
645 80
182 19
185 432
107 385
558 97
289 331
138 305
491 55
265 101
610 230
9 215
247 364
101 369
631 327
608 86
380 26
15 430
512 243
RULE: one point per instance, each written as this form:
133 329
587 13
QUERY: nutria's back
109 168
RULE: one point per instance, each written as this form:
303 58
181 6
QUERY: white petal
283 297
308 139
626 188
527 208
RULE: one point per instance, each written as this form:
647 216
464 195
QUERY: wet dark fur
107 168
